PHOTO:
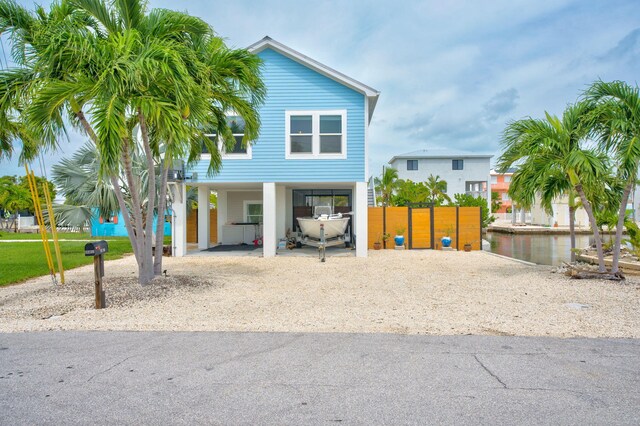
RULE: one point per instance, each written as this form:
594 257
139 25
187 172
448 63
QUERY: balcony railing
482 194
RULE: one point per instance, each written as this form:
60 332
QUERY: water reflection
541 249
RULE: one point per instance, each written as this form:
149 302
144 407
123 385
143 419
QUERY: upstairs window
237 125
301 134
494 179
457 164
316 134
507 179
412 164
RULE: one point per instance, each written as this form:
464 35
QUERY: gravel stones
405 292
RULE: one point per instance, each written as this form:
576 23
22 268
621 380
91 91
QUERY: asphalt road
280 378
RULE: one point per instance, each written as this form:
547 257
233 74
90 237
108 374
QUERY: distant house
114 226
464 172
500 183
312 151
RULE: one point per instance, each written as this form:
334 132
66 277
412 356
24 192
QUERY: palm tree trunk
137 242
572 229
136 208
151 197
594 227
162 205
620 226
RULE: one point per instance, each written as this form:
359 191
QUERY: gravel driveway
405 292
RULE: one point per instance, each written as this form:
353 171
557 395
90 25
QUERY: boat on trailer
324 229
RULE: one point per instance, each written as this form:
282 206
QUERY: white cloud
450 73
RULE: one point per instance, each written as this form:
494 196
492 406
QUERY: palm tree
122 74
386 185
409 192
78 180
554 161
436 190
617 125
14 198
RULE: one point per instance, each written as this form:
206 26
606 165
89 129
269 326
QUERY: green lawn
20 261
61 235
23 260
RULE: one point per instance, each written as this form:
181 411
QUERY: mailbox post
97 249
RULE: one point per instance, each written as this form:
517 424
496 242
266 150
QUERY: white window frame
245 208
315 138
244 156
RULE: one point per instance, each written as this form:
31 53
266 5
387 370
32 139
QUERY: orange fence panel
192 226
444 224
461 223
397 219
375 226
470 231
213 226
421 228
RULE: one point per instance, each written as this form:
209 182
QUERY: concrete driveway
282 378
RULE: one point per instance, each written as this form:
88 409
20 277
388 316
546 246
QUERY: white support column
203 217
269 241
179 235
222 212
281 203
360 219
489 193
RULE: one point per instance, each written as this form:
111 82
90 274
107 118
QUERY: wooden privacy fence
424 227
192 226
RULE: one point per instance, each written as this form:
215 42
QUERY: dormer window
316 134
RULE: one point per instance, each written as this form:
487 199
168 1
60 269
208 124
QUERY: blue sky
451 73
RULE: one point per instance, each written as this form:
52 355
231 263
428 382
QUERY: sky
451 73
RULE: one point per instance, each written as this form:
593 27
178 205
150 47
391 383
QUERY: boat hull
332 227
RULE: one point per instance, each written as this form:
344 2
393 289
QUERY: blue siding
292 86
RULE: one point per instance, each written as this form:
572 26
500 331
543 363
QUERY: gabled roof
269 43
439 153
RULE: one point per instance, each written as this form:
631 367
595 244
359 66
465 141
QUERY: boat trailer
323 242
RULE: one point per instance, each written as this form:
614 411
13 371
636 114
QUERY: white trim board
315 140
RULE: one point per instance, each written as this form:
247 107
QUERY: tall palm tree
122 73
78 180
436 189
616 117
553 160
386 185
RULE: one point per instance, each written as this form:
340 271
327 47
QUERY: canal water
540 249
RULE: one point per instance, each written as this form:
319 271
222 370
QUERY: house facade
464 172
500 183
311 151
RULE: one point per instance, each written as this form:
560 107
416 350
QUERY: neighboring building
114 226
500 184
560 216
464 172
312 150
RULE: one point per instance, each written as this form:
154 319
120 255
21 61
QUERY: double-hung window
316 134
238 151
253 211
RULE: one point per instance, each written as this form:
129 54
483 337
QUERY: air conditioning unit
175 175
